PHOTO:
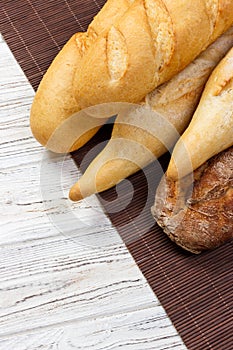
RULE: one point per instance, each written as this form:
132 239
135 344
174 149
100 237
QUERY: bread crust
55 101
210 130
204 219
161 37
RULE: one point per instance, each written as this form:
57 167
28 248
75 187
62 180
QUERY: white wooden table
80 290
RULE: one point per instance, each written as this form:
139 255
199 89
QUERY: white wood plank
141 329
62 288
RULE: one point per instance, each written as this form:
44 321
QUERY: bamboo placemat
196 291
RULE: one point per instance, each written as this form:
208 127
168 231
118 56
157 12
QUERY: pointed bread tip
172 170
75 193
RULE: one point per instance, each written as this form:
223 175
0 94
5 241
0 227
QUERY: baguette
54 101
205 220
134 142
150 43
211 128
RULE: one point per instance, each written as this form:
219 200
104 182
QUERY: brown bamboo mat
196 291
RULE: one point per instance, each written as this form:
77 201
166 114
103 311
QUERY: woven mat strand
196 291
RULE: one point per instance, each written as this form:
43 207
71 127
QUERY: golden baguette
211 128
54 101
150 43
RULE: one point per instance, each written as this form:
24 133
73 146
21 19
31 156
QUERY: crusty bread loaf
54 101
137 138
203 220
149 44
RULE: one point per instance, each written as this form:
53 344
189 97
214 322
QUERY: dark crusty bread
204 219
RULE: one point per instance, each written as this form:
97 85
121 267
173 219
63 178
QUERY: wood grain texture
78 290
